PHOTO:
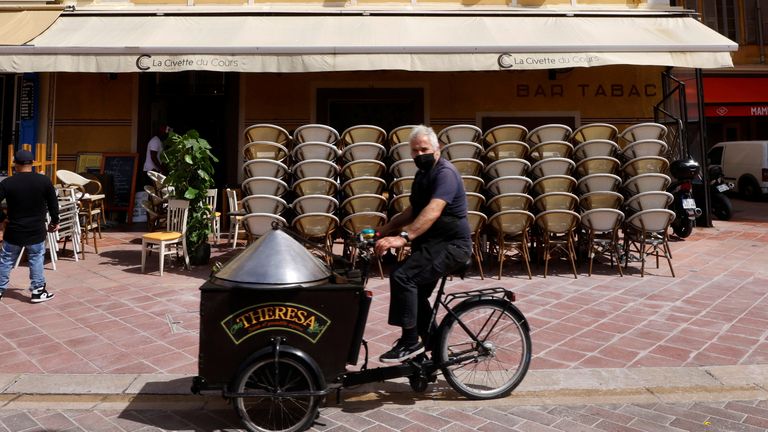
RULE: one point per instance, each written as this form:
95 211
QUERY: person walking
29 196
436 225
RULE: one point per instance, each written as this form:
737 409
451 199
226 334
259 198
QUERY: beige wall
94 113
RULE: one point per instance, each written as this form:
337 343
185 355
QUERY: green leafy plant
189 162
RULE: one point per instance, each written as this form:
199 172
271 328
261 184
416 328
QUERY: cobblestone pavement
743 416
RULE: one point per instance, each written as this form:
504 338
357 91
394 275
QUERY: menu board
122 167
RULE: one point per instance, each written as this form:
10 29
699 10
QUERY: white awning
20 26
290 43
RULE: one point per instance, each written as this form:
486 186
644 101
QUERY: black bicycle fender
513 310
290 351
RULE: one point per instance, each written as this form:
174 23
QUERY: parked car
744 163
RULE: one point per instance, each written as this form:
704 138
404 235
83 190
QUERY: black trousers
414 279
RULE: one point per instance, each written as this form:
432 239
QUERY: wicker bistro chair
507 167
355 223
557 234
601 199
402 185
401 151
510 201
642 131
315 186
462 150
597 147
556 201
363 168
553 183
549 132
363 150
475 201
645 165
477 221
363 185
265 168
264 186
511 227
363 133
602 229
597 165
400 203
265 150
646 183
642 148
509 184
318 226
648 201
267 132
473 184
169 240
592 131
235 214
315 150
468 167
646 233
364 203
264 204
315 204
403 168
316 133
507 132
551 149
552 166
507 149
315 168
598 183
463 132
258 224
400 134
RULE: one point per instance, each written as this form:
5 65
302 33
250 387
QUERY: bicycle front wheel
494 365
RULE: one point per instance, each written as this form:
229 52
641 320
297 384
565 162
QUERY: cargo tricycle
278 328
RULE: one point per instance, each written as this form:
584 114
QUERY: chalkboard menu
122 167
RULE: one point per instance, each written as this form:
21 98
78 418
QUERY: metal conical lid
275 260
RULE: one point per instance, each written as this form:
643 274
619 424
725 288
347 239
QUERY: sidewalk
112 328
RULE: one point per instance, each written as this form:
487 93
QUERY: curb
540 387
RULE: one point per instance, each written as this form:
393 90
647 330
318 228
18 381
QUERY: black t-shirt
443 182
28 196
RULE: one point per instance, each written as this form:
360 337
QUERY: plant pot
200 255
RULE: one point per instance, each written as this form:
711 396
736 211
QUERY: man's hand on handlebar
386 243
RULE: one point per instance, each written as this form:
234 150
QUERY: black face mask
425 162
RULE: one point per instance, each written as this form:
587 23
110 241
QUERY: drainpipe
760 36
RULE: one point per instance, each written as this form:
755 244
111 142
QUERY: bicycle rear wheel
271 414
493 367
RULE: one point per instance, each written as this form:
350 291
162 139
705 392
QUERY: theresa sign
275 316
164 63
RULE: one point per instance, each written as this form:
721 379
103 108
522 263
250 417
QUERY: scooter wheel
722 207
683 229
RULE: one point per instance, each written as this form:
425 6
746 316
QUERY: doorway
386 108
199 100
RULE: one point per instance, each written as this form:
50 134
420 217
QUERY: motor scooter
721 204
683 171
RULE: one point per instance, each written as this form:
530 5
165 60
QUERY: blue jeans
8 255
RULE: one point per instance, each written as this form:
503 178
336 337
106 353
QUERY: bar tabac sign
275 316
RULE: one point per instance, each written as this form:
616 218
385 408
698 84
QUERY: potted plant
189 161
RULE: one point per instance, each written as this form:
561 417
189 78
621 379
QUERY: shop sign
146 62
275 316
548 61
736 111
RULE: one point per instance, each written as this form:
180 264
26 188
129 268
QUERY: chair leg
501 253
184 250
235 236
591 248
143 255
546 255
572 253
162 257
615 245
642 254
667 254
18 258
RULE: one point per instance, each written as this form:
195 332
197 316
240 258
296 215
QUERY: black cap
23 157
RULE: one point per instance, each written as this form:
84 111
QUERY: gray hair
425 131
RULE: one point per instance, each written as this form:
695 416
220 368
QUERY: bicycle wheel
493 367
271 414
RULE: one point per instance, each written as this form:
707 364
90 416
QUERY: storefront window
722 15
755 17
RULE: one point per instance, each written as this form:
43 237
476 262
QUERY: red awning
737 90
756 110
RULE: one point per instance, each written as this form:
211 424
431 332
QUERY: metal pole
707 208
760 35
